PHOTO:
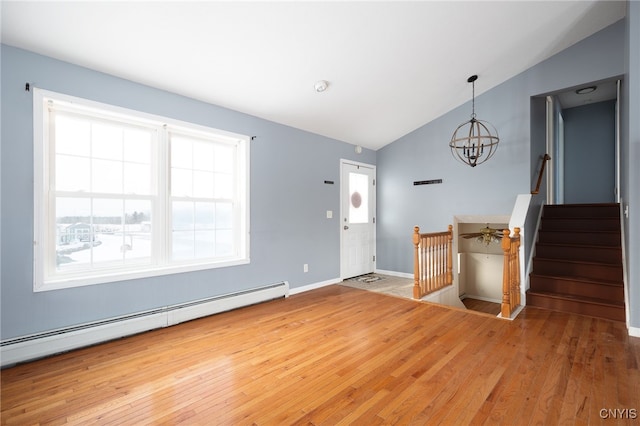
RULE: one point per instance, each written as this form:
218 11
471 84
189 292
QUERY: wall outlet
305 267
329 214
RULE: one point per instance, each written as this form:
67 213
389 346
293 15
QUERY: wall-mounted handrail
546 158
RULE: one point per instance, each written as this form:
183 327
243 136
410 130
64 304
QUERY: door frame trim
344 161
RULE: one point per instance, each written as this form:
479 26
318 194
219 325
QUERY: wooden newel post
416 264
516 267
505 310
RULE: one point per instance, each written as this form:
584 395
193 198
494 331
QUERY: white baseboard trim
27 348
297 290
634 331
394 273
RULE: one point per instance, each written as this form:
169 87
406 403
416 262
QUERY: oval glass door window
356 200
359 190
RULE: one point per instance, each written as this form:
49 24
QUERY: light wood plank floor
339 355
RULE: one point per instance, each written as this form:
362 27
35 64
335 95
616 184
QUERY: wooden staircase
578 261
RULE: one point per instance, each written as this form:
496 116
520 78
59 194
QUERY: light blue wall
490 188
288 197
538 117
289 201
589 152
630 149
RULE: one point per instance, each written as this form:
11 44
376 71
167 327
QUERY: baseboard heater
26 348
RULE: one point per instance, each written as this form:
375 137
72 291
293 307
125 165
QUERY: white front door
357 219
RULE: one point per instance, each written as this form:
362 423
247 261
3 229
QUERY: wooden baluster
442 269
425 264
441 261
429 267
416 263
506 275
512 278
449 279
434 263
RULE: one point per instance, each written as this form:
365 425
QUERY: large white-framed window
120 194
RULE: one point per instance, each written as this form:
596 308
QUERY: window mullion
162 207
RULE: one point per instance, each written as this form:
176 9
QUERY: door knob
346 227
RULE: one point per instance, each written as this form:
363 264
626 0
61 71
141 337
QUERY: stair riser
613 293
600 311
578 270
607 210
608 255
608 239
579 224
578 246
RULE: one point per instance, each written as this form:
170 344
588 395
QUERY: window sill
85 280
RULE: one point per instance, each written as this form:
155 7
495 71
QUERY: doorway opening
357 219
478 263
582 137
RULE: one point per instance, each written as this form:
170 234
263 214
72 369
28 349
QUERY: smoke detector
321 86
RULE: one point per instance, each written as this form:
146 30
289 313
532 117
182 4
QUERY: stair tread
581 218
588 262
615 215
570 205
570 244
584 262
583 231
593 300
613 283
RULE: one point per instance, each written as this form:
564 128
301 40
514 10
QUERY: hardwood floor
482 306
339 355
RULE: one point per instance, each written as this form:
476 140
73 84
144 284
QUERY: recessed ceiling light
321 85
586 90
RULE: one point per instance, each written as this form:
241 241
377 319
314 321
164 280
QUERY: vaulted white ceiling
391 66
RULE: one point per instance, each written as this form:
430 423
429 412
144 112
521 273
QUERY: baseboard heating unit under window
38 345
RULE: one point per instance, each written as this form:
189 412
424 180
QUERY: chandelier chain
473 100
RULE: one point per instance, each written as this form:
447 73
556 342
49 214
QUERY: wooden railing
432 262
544 163
511 272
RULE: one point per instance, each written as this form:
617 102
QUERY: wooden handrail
546 158
432 261
511 272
